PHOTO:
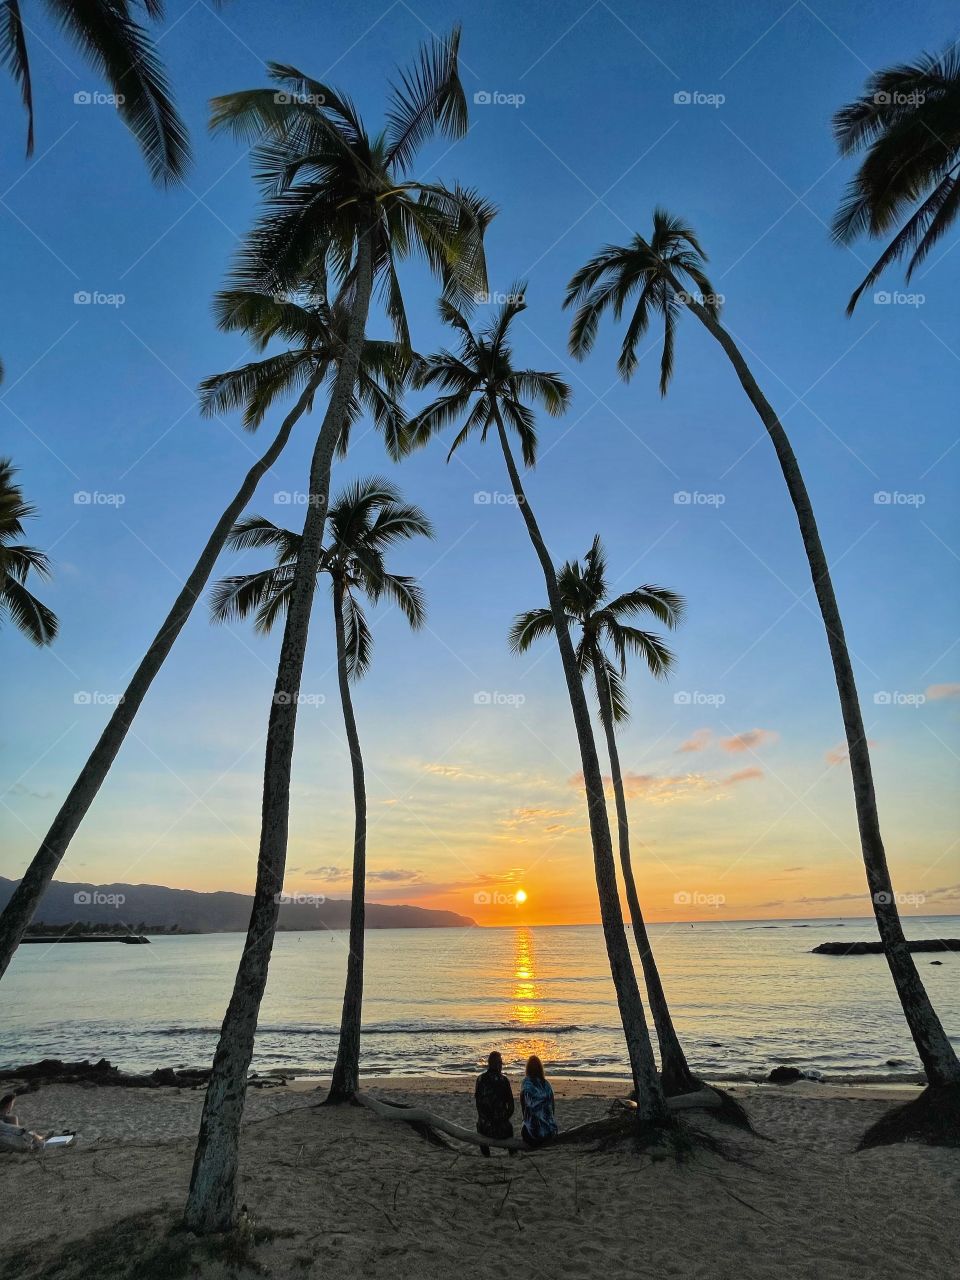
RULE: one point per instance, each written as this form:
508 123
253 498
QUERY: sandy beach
340 1192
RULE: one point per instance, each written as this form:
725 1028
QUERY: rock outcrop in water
54 1071
876 948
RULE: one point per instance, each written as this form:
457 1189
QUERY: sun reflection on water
525 990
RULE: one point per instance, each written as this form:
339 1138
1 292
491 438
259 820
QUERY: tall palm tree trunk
675 1074
20 909
651 1105
936 1052
346 1072
212 1196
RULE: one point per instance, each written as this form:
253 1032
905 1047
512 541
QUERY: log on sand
580 1133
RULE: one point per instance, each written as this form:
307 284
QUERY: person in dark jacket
494 1099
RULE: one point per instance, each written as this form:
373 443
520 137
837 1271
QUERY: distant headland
154 909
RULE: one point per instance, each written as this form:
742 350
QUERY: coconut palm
604 630
317 330
333 193
364 522
654 277
485 392
117 47
908 122
25 611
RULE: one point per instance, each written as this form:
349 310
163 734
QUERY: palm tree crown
34 619
481 384
317 331
602 626
117 47
653 272
908 120
364 521
328 183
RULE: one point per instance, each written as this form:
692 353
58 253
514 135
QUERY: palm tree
485 392
656 273
336 194
603 627
364 521
908 121
317 330
26 612
118 48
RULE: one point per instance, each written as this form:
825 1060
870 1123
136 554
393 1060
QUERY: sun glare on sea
520 896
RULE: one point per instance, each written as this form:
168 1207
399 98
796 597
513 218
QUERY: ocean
745 995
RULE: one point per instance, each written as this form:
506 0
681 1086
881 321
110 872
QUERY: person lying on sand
536 1101
494 1099
12 1136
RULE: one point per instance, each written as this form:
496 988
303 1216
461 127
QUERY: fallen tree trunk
579 1133
420 1115
708 1098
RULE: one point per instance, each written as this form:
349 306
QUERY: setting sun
520 896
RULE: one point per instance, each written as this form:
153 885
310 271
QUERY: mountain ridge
219 911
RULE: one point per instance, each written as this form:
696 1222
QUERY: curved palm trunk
651 1105
212 1196
936 1052
20 909
346 1072
675 1074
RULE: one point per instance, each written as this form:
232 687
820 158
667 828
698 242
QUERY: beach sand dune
344 1194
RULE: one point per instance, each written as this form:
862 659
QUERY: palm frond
529 627
256 386
14 56
663 604
358 638
603 670
120 50
19 561
656 654
237 597
429 98
258 531
407 594
28 614
547 388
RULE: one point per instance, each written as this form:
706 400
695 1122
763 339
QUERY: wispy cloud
532 814
945 893
698 741
938 692
456 772
387 875
742 775
666 788
840 753
21 789
751 740
395 875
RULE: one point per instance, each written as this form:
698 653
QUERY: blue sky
99 399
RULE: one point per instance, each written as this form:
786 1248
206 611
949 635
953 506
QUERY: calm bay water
745 996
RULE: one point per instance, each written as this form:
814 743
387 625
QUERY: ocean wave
382 1029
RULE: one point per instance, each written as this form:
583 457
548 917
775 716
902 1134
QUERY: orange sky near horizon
774 837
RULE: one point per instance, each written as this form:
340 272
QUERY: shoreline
103 1074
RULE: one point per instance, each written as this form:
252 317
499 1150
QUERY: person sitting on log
494 1099
536 1101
